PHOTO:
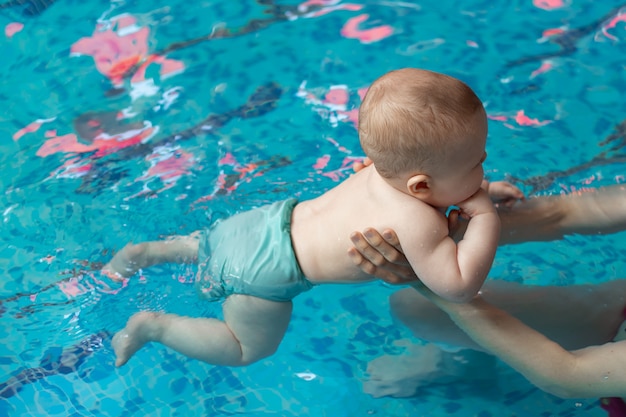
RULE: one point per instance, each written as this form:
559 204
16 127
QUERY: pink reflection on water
549 4
13 28
167 164
611 24
30 128
119 45
351 30
334 104
520 119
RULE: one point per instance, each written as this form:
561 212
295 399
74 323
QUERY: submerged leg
252 330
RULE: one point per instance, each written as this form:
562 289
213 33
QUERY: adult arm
596 371
545 218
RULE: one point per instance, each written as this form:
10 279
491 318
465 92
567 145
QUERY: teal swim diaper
251 253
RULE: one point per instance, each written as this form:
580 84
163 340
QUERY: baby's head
425 133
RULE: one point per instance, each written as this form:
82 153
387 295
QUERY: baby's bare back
321 227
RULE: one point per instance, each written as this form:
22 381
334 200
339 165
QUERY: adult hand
503 194
381 256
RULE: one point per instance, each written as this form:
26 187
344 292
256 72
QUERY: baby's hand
479 203
503 193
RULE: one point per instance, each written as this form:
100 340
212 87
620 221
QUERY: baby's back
321 227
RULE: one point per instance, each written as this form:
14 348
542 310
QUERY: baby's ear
419 186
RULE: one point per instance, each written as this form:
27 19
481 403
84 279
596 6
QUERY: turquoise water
134 120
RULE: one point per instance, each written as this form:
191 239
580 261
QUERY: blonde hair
409 117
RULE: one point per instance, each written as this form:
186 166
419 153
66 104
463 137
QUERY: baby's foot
139 330
111 274
126 262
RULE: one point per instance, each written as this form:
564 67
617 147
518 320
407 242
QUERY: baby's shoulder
409 205
417 217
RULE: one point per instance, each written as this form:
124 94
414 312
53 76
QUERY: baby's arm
132 257
456 271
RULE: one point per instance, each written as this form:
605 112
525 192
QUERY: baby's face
461 175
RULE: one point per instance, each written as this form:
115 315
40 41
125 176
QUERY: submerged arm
592 211
596 371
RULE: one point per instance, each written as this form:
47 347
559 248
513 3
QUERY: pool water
126 121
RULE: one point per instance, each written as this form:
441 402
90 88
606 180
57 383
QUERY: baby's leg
133 257
252 330
258 324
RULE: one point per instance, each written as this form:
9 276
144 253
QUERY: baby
425 134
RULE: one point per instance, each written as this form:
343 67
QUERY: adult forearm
594 211
543 362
